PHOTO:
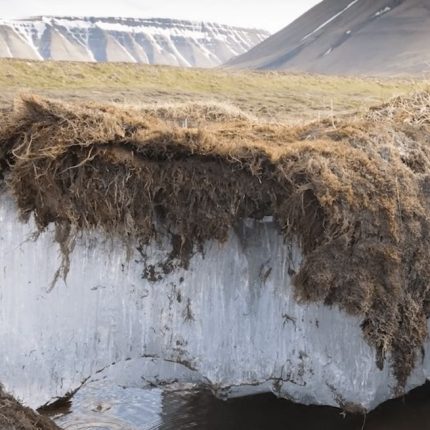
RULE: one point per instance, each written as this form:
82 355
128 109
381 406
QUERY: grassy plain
273 95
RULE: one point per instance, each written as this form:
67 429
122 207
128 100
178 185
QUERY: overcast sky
269 14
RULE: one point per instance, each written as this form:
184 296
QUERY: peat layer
14 416
354 193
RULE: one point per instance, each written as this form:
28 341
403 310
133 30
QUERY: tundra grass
274 95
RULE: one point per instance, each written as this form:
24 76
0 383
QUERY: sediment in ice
230 321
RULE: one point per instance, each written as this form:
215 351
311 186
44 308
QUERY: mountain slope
150 41
350 36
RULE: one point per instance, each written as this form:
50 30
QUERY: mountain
374 37
153 41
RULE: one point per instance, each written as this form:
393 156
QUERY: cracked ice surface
230 321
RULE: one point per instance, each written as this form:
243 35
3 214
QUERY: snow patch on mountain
329 21
152 41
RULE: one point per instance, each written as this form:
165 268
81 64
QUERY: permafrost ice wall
230 321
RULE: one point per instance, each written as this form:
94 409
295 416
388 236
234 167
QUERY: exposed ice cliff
230 321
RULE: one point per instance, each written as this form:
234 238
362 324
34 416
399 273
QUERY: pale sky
271 15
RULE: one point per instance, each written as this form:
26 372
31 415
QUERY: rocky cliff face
150 41
231 321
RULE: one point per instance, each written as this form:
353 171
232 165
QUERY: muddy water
102 406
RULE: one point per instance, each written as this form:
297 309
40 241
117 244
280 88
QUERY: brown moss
14 416
353 193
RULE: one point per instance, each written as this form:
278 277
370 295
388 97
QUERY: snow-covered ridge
150 41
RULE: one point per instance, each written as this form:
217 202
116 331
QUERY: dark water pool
106 407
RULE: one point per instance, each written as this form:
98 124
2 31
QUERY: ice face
230 321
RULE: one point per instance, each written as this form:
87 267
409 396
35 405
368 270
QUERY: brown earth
354 193
14 416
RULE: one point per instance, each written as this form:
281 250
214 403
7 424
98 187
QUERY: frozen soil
14 416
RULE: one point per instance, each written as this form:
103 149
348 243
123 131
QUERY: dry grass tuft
14 416
413 110
354 193
195 114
